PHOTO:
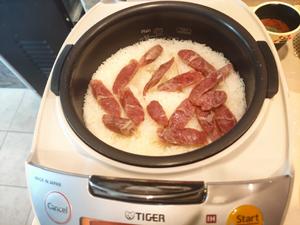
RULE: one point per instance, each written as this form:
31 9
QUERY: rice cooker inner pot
186 21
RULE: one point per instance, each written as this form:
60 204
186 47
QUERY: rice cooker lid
266 85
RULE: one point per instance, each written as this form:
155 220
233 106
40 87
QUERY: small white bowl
284 12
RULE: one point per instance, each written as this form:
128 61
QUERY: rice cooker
244 177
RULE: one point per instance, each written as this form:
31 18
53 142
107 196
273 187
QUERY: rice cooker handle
148 191
56 74
271 66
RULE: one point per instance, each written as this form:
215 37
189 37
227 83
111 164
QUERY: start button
245 215
58 207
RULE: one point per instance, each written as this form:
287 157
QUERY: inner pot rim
161 161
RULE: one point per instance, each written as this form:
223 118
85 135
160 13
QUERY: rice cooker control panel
245 214
60 198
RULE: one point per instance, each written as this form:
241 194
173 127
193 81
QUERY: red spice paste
275 25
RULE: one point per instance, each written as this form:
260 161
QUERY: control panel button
246 215
58 207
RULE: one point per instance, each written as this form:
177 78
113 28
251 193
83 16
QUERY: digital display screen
89 221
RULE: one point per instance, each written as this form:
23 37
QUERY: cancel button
58 207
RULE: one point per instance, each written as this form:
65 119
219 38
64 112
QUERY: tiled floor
18 110
7 77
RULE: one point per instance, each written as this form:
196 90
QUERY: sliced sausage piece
105 98
158 74
150 55
208 123
125 76
195 61
181 81
118 125
131 106
203 86
224 118
183 136
182 115
157 113
224 71
212 99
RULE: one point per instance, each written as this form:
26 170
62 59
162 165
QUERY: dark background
31 34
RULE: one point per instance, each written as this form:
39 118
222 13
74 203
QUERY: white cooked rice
145 141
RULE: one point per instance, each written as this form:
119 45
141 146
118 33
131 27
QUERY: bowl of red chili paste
281 20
